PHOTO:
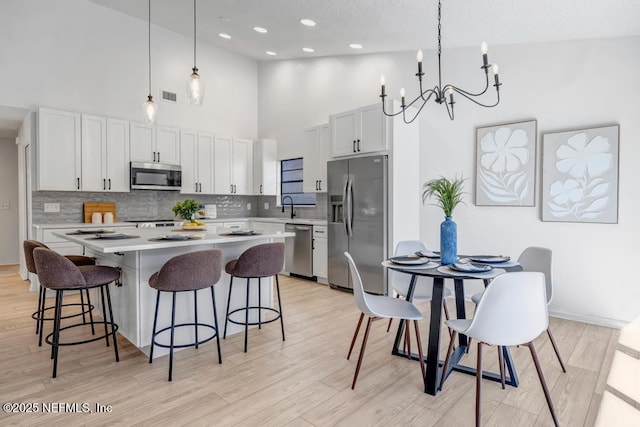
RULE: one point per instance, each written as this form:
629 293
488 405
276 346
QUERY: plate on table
470 267
175 237
409 260
434 255
242 232
92 231
114 236
490 259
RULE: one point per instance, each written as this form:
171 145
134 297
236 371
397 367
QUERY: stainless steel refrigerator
357 220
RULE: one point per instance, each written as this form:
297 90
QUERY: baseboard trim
594 320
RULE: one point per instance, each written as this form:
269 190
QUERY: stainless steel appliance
152 223
155 176
357 220
299 250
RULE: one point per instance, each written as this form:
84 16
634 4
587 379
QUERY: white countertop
78 225
143 243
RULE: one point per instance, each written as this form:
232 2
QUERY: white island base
133 300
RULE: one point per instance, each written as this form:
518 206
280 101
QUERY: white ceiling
385 25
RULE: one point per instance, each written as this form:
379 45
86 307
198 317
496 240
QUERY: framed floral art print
580 175
506 165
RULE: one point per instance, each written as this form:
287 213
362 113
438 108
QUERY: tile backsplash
149 204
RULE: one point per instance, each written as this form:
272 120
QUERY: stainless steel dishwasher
299 250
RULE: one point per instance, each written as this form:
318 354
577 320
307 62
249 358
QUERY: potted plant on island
448 194
187 211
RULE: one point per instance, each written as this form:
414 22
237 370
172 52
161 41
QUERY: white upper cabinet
197 162
105 154
58 150
265 167
317 147
155 145
358 131
242 166
222 165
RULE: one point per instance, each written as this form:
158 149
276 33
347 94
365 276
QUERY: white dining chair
537 259
381 307
424 285
513 311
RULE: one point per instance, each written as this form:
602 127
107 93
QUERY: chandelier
149 108
439 92
195 85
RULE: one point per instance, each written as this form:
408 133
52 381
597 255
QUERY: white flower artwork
505 171
580 175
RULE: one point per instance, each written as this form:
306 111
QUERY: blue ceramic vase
448 241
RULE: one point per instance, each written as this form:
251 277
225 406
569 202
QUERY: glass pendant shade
150 110
195 88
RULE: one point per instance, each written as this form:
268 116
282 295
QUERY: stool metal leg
39 310
56 332
113 325
195 313
259 305
246 318
93 332
104 316
84 315
155 324
280 307
226 318
41 314
215 322
173 325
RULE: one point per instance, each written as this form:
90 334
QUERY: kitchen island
143 253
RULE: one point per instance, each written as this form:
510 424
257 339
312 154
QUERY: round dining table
439 273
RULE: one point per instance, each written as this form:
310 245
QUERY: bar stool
259 261
189 272
58 273
29 246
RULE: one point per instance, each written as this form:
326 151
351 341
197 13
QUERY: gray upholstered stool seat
29 246
259 261
189 272
59 274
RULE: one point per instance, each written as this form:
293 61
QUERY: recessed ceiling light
224 35
308 22
308 49
260 30
270 53
355 45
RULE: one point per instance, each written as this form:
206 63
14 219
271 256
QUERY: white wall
564 85
8 195
79 56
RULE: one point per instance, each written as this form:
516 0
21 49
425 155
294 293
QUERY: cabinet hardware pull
119 253
158 157
104 184
78 183
358 145
196 187
154 156
260 188
313 244
109 183
200 186
354 145
320 185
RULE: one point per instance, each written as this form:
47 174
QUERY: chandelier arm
449 111
419 110
194 35
384 111
462 91
430 93
476 102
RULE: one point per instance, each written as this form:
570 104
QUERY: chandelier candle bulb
419 57
483 49
382 82
495 70
402 95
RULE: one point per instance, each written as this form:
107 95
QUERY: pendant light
195 86
150 108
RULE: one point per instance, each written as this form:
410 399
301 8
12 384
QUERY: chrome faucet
293 213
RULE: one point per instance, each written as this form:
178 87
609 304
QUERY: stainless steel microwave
155 176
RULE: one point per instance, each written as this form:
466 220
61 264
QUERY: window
291 183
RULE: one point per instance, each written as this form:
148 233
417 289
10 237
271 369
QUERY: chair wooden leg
501 362
555 348
479 385
407 338
420 354
446 314
547 396
447 359
362 348
391 318
355 335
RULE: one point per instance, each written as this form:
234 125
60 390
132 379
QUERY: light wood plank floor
304 381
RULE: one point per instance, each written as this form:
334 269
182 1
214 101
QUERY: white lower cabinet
320 265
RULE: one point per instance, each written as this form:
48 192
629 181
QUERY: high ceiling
384 25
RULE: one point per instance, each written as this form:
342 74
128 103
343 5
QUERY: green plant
448 193
186 210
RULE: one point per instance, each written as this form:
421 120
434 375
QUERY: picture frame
580 175
506 164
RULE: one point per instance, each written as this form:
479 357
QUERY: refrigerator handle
345 215
349 207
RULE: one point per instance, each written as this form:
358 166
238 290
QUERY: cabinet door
242 166
372 129
265 167
222 165
142 140
205 163
189 161
320 265
324 154
168 145
94 153
343 134
311 140
117 155
58 152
